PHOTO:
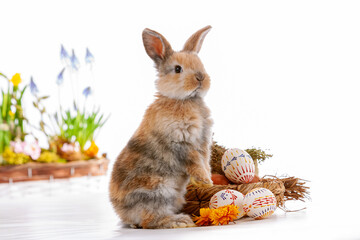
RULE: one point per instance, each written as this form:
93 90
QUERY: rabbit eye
178 69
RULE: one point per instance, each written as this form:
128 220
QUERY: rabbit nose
199 76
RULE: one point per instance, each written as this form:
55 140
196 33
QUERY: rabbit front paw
201 183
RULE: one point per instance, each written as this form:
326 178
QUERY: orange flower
92 150
204 219
224 215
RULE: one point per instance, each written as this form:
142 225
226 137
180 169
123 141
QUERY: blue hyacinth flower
63 53
60 78
87 92
33 88
89 58
75 64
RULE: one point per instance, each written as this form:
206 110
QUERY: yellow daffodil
16 79
92 150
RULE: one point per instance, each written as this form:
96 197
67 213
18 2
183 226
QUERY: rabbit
172 143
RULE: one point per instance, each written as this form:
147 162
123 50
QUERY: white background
285 75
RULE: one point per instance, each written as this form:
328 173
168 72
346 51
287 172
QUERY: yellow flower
47 157
204 218
16 79
15 158
224 215
8 154
11 114
92 150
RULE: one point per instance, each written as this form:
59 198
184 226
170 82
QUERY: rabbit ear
156 46
193 44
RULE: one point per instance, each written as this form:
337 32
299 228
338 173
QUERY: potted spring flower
71 133
77 127
13 147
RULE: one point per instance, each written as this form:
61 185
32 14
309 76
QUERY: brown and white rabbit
172 143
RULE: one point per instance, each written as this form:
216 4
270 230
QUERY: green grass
81 127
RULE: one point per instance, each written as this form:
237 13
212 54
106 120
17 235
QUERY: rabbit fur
172 143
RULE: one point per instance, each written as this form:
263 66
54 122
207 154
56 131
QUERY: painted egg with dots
238 166
259 203
228 197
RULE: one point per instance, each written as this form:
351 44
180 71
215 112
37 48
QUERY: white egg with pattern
228 197
259 203
238 166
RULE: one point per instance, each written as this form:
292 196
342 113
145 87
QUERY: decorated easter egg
238 166
228 197
259 203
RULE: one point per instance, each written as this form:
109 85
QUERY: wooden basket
43 171
284 189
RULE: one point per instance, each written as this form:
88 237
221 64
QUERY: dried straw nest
284 189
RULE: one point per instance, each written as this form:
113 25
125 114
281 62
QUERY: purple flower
60 77
87 92
75 106
89 58
75 64
33 88
63 54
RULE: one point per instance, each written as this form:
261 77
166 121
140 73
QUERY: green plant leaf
80 127
22 93
1 74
